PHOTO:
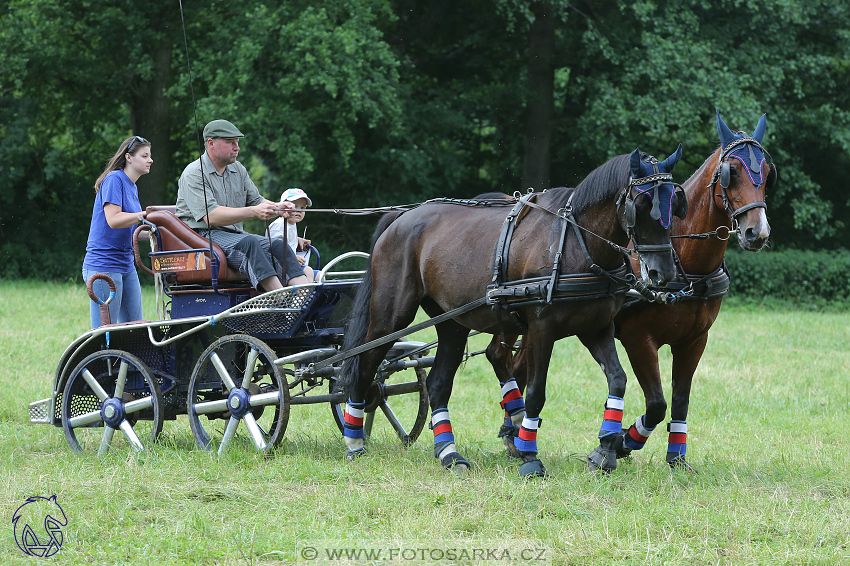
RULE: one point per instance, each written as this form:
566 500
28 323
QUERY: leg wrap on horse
677 443
514 406
444 440
526 440
637 435
512 401
352 430
612 419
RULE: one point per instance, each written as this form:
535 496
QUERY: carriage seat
175 235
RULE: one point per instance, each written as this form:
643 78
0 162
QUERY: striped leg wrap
526 440
612 420
637 434
352 430
512 401
444 438
678 440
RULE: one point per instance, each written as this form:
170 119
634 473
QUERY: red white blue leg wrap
638 434
526 440
444 438
352 431
612 420
512 403
678 439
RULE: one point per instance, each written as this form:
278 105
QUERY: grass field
766 433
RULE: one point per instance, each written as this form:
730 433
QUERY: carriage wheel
111 390
235 382
402 398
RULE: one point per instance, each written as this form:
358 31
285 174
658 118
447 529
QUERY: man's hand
283 207
267 209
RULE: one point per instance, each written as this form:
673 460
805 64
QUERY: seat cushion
175 235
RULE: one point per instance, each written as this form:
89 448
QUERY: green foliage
803 278
366 103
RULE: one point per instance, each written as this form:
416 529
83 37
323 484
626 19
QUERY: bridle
627 202
723 174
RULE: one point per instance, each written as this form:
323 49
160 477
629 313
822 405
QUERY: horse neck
701 256
601 219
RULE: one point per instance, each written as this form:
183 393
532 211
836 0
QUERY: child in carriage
275 230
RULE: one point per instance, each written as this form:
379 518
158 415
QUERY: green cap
221 129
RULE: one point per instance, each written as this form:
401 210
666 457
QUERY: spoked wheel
401 397
108 391
237 395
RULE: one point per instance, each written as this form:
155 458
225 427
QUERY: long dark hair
131 145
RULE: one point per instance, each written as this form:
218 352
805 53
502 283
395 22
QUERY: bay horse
725 195
440 256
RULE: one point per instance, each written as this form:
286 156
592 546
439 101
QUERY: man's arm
225 215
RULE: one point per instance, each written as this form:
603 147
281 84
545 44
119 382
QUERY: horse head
744 173
646 209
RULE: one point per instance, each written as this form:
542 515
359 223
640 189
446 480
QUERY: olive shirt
233 189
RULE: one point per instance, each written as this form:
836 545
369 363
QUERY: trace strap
312 368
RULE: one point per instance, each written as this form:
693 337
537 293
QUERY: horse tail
359 319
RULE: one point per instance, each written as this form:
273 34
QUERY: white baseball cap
295 194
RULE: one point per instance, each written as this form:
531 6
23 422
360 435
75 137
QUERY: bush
810 279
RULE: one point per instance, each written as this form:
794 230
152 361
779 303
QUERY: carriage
232 360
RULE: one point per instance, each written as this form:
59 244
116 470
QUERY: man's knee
249 246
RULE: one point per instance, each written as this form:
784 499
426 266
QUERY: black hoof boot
620 448
677 462
532 467
455 463
507 433
602 460
355 454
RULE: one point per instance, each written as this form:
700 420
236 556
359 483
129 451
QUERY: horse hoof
600 460
532 468
513 451
355 454
677 462
455 463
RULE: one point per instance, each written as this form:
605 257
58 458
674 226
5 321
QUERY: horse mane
604 181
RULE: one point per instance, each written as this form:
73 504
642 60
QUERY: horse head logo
38 526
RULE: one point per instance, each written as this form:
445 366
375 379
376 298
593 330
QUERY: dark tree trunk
150 116
540 102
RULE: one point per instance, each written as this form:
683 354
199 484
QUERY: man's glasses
136 139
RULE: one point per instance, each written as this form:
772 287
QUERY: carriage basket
277 313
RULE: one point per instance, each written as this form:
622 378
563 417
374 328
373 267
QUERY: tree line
367 103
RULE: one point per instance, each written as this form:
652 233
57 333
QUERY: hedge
796 277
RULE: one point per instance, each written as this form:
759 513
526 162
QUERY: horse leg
392 312
537 366
503 362
451 341
686 357
643 356
601 347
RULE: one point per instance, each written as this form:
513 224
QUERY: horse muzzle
753 233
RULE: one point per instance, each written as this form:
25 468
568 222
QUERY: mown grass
766 434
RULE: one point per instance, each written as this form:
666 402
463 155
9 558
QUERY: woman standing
110 245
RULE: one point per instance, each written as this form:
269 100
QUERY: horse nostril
751 235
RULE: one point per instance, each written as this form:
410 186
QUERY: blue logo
38 526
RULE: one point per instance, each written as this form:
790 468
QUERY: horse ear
723 131
758 134
669 163
634 163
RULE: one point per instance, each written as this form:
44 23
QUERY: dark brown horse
725 195
441 257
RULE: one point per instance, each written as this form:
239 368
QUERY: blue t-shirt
111 249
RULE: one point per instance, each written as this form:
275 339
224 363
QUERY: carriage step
41 411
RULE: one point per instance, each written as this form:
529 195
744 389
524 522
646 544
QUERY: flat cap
221 129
